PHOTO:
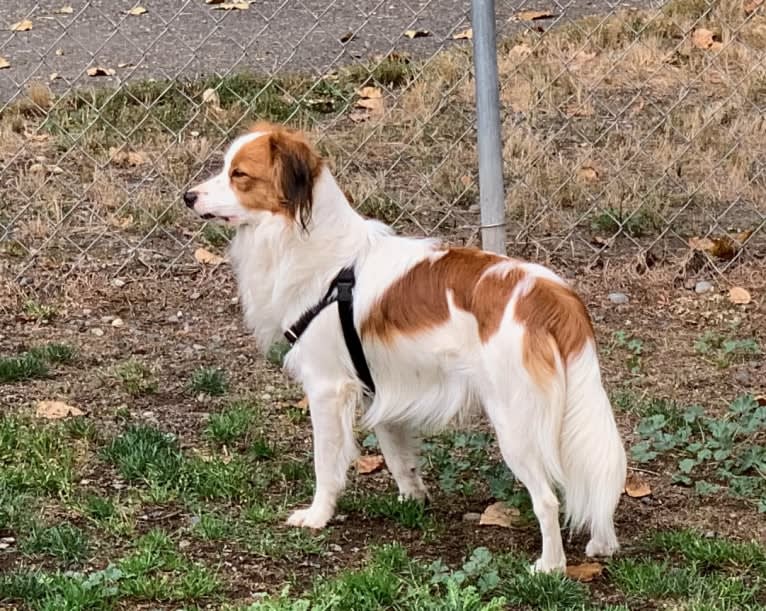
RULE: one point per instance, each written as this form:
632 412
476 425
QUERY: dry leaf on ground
22 26
370 93
723 247
464 35
100 71
119 156
232 6
636 487
347 37
703 38
371 99
369 464
499 514
137 10
739 296
65 10
210 96
55 410
4 63
416 33
204 256
304 403
588 173
534 15
587 571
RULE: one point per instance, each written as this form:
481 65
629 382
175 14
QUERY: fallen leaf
723 247
59 52
587 173
232 6
750 6
585 572
464 35
466 180
703 39
347 37
370 92
124 65
520 51
4 63
65 10
210 96
122 157
204 256
374 105
534 15
739 296
636 488
416 33
304 403
499 514
369 464
55 410
54 76
761 400
137 10
22 26
100 71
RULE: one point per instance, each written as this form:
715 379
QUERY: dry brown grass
614 130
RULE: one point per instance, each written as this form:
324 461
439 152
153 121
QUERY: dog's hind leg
332 420
401 451
519 445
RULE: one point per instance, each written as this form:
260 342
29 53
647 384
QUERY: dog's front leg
332 420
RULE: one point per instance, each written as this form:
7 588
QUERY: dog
430 333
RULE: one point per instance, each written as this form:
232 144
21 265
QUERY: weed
98 507
634 347
726 350
460 459
725 450
208 381
136 377
39 312
709 553
217 235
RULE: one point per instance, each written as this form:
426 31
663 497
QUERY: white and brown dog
443 330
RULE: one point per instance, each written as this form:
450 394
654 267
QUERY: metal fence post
491 196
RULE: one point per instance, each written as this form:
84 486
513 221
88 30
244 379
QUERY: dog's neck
283 270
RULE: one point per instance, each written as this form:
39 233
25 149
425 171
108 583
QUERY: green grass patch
34 458
64 542
34 363
232 424
726 350
23 367
208 381
408 513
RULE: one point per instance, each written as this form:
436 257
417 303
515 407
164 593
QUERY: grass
34 364
231 425
208 381
64 542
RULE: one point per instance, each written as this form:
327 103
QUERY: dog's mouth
223 219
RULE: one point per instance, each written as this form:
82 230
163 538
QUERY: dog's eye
237 174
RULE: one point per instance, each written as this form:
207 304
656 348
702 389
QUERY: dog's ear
296 168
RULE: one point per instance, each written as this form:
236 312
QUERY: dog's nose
190 197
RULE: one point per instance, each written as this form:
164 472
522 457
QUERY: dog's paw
541 566
310 518
596 548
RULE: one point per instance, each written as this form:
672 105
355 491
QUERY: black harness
341 290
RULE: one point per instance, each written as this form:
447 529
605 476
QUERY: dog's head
269 171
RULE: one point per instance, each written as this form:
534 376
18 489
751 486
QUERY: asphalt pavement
190 38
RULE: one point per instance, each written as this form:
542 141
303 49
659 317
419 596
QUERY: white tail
592 455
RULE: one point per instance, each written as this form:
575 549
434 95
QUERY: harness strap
341 290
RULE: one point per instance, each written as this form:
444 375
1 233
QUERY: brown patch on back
417 301
276 172
555 319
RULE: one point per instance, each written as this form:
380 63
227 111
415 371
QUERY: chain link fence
633 135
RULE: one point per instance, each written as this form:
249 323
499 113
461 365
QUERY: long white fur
563 436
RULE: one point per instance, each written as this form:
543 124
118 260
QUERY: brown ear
296 167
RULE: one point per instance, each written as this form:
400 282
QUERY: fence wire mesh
635 134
